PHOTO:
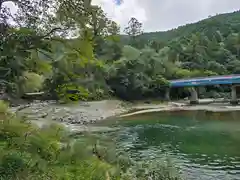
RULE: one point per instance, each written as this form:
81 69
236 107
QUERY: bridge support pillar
194 96
167 94
234 100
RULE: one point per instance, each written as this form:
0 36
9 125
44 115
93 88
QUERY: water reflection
205 145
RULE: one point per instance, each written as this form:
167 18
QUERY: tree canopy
71 50
73 45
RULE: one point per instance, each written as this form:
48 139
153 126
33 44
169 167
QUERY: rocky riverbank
81 116
75 116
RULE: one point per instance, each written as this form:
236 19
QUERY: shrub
32 153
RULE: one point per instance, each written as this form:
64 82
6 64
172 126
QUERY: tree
134 30
102 28
233 43
88 19
35 42
101 25
22 33
156 45
137 73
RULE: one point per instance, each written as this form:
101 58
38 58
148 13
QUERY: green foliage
37 44
28 152
130 53
36 55
17 47
207 48
71 92
3 107
134 30
76 54
32 82
225 23
137 73
152 170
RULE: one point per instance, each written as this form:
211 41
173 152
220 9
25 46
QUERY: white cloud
167 14
123 12
159 15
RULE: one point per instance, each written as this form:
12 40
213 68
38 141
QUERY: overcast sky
159 15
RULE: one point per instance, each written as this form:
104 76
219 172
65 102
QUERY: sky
161 15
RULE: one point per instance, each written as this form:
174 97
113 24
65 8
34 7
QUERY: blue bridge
206 81
193 83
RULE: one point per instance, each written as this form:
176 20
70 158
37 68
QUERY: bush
162 170
32 153
70 92
32 82
3 106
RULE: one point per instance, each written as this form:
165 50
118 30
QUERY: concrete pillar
167 94
234 100
194 96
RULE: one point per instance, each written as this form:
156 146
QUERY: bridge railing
206 77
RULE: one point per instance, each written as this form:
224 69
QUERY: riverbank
77 116
204 105
82 116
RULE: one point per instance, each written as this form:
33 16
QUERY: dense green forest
218 22
70 50
208 47
79 48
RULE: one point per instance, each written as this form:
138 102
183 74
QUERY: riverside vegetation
31 153
71 46
70 50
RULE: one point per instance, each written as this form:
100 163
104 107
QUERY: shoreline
175 106
76 117
82 116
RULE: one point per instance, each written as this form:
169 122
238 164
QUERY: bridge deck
204 81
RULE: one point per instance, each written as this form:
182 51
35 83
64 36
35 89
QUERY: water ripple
202 148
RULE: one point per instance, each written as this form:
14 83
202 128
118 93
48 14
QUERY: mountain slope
226 23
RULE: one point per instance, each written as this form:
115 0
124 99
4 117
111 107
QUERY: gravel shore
74 116
79 116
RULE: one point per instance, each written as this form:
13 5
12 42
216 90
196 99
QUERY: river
203 145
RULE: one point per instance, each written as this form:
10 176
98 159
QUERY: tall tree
101 27
20 34
30 33
134 30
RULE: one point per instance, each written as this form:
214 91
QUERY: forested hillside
208 47
79 48
71 51
218 22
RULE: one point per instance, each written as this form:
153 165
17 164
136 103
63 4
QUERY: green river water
203 145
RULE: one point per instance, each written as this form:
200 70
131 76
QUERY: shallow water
203 145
